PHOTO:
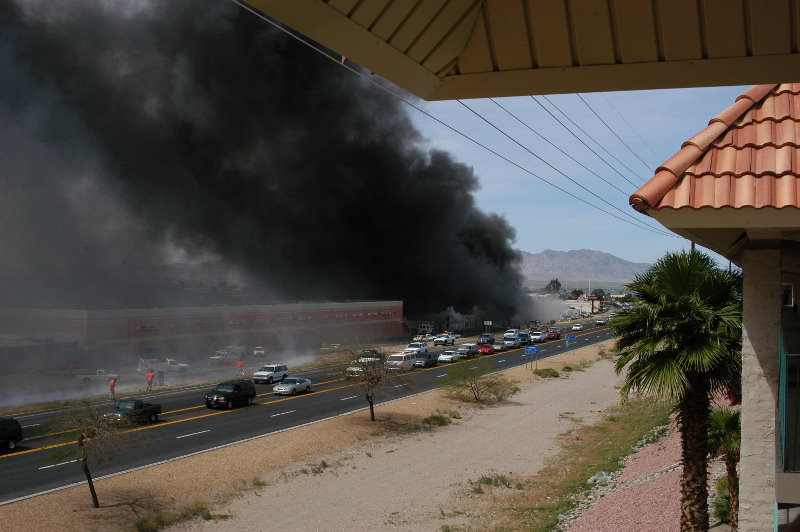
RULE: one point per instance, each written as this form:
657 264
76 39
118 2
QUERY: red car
485 349
554 333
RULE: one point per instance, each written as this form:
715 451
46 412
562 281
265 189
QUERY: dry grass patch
537 503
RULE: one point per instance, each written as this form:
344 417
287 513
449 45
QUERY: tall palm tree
681 343
725 438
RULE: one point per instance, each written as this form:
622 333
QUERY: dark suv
227 394
10 432
486 339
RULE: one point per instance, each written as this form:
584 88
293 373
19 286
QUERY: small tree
369 370
471 379
575 294
725 438
96 441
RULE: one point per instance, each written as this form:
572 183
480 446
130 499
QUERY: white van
401 362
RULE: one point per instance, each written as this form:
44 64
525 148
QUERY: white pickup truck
165 364
99 375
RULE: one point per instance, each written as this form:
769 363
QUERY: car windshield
126 405
290 381
413 345
224 388
268 368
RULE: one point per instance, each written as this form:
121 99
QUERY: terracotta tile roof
748 156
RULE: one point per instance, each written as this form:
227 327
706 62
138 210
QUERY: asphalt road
186 426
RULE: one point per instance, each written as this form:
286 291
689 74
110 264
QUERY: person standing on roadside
240 366
150 376
112 384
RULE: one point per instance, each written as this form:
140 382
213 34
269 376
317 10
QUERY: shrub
438 419
721 507
547 373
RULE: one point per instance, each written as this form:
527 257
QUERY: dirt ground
348 473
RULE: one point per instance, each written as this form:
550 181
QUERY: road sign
487 322
531 349
571 337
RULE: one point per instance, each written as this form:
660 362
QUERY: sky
651 126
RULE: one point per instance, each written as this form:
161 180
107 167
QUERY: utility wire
610 103
509 137
581 140
342 64
615 134
556 147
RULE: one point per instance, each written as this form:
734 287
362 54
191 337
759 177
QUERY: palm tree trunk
733 489
693 412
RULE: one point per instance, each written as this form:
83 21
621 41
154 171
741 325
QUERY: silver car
449 356
292 385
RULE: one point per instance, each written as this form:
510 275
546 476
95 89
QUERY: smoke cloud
137 133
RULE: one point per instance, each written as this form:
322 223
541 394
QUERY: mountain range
580 268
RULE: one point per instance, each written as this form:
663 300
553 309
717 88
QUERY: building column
760 372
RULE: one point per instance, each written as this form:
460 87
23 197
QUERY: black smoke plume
134 132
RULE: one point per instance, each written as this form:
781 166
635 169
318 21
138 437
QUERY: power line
615 134
342 64
559 149
589 136
610 103
509 137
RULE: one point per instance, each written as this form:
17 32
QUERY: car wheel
208 405
229 405
11 445
308 389
153 418
269 380
250 401
294 391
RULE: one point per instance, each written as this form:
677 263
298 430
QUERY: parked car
10 433
418 338
401 362
425 360
577 327
271 373
449 356
444 339
416 347
486 349
229 393
467 350
134 411
537 337
499 345
292 385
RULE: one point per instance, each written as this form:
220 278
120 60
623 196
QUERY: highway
186 426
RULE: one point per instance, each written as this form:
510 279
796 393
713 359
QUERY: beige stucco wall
760 365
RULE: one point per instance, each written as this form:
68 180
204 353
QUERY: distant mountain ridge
581 267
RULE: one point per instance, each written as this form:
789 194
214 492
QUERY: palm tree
725 437
681 343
